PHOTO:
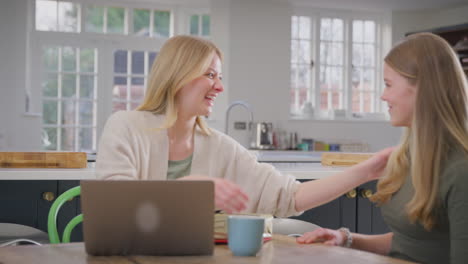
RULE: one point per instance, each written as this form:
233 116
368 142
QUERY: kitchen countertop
307 171
304 165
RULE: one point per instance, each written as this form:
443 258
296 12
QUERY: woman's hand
374 166
327 236
228 196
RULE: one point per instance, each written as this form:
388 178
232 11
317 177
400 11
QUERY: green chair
52 218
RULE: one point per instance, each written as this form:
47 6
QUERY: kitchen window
336 66
91 59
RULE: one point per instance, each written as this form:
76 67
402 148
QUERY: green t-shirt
179 168
447 242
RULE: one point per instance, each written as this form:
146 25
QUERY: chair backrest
52 218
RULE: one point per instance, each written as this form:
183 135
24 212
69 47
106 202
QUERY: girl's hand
327 236
228 196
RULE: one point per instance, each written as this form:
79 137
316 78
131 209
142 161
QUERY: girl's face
400 96
197 97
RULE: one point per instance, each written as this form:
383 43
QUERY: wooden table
281 249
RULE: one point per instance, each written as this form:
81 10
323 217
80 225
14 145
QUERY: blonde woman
166 138
424 193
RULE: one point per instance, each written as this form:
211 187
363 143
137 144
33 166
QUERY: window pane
205 25
46 15
68 16
94 21
368 58
119 92
304 27
68 112
50 85
326 29
363 79
68 139
304 51
331 53
294 51
337 100
138 62
86 139
87 60
294 27
331 78
294 76
162 21
137 89
50 58
358 31
49 112
141 22
86 112
68 85
323 100
134 105
152 57
368 101
303 77
356 79
68 59
49 138
368 78
337 29
357 55
115 20
120 61
87 87
194 25
369 31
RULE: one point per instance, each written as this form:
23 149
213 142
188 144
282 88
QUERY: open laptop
148 217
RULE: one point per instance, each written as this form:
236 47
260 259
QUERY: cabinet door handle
351 194
366 193
48 196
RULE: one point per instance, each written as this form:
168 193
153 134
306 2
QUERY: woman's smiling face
400 96
197 97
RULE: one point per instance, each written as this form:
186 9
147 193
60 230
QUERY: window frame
383 44
105 44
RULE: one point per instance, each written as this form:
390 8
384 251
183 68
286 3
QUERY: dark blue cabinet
28 203
353 210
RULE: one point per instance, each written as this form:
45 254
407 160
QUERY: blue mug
245 234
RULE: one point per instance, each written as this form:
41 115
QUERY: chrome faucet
232 105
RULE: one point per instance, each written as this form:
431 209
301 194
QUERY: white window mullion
349 69
151 25
59 101
128 21
76 144
129 77
104 81
317 63
378 70
104 21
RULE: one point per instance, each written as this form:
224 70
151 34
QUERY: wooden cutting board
75 160
343 159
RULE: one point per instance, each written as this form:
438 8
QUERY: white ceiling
381 4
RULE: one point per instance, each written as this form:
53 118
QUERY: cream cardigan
131 147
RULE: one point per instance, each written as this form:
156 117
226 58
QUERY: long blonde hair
439 122
181 60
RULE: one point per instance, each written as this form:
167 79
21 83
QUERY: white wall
20 132
259 47
410 21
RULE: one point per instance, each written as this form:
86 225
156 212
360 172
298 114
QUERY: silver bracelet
349 238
